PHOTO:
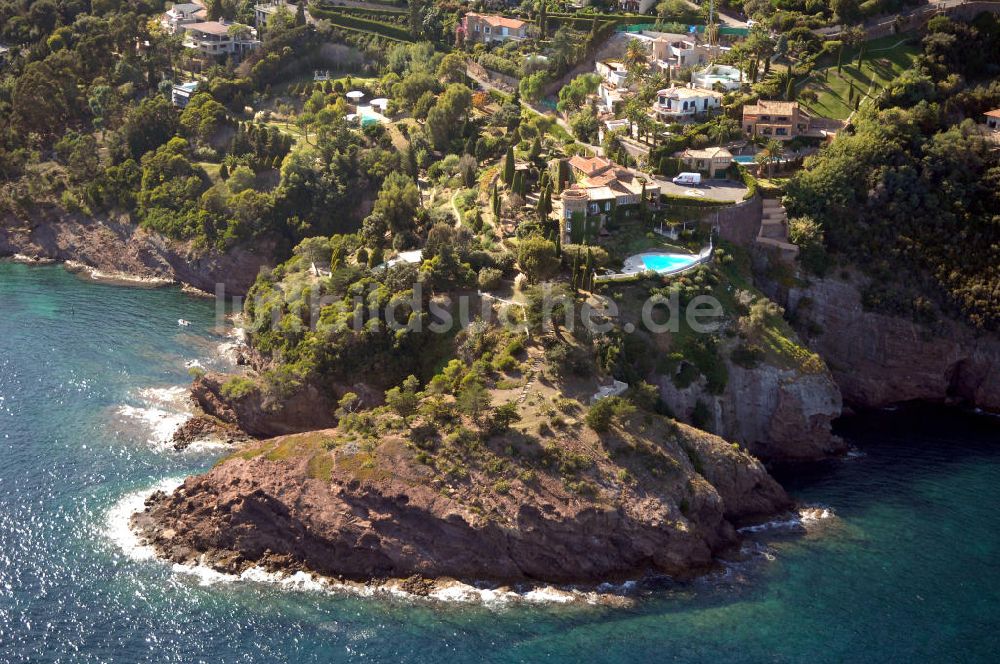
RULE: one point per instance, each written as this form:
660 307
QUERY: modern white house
674 52
181 93
727 77
674 104
220 39
614 84
175 18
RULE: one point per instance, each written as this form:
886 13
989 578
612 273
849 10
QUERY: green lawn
884 59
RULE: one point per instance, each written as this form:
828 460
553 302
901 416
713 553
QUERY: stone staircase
774 230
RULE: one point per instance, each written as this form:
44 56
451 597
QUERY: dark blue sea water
907 570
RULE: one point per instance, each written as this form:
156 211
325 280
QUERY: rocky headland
118 250
583 509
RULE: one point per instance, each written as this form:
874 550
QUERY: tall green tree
508 167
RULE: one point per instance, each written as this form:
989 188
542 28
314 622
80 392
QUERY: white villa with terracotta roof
673 104
488 28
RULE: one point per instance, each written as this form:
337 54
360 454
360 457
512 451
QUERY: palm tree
635 60
770 154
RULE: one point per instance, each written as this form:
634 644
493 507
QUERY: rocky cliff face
309 502
778 414
117 247
879 360
306 410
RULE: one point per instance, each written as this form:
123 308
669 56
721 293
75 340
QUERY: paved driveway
716 190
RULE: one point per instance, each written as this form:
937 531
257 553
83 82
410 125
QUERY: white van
691 179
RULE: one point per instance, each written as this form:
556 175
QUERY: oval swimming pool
659 262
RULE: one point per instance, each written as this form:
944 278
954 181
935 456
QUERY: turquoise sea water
908 569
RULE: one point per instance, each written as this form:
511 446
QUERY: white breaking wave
801 520
162 411
117 528
236 340
160 423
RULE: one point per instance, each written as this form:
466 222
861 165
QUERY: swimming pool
744 159
659 262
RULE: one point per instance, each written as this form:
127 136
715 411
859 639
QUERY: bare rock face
306 410
778 414
119 247
879 360
303 503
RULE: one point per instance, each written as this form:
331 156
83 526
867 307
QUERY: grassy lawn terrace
634 236
884 59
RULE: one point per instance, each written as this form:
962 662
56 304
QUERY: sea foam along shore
160 412
119 532
122 278
804 518
106 277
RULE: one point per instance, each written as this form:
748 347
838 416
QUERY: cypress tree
508 167
223 172
576 271
495 203
536 148
588 279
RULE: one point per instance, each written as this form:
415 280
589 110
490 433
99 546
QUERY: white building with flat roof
727 77
181 14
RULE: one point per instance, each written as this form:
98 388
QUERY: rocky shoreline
291 504
120 252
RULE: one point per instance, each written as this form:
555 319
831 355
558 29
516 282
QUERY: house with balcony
711 161
780 120
490 28
675 104
215 38
264 10
993 120
175 18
